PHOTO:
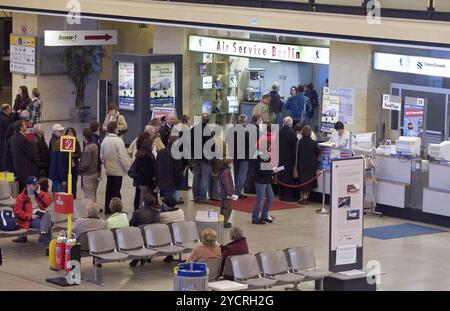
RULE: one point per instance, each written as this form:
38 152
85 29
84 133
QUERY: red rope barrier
298 186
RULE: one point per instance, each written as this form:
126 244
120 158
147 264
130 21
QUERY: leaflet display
162 85
126 86
346 221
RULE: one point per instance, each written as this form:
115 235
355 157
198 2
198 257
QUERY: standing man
276 104
40 149
167 128
59 161
5 122
115 159
24 158
288 149
300 106
262 108
202 166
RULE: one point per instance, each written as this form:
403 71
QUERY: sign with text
264 50
346 220
427 66
162 85
67 144
80 37
126 86
159 112
413 116
23 54
391 102
330 110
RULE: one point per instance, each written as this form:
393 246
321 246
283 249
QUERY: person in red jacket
31 210
237 246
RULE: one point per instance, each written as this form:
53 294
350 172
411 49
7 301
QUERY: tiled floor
415 263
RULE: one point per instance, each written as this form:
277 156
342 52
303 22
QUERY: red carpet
246 205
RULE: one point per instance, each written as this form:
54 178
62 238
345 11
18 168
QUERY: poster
162 85
159 112
413 117
347 203
126 86
346 103
330 111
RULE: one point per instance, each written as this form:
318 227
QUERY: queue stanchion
323 210
64 251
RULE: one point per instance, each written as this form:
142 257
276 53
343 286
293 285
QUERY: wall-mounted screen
126 86
162 85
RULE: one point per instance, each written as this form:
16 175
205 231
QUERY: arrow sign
82 37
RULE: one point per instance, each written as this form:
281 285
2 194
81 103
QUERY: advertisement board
330 111
413 116
162 85
126 86
346 220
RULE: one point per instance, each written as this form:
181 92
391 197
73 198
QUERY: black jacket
165 133
169 170
5 121
288 145
308 162
249 145
197 137
40 149
144 216
276 105
24 158
145 169
262 176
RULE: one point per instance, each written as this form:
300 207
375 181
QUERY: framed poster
413 116
346 220
162 85
330 111
126 86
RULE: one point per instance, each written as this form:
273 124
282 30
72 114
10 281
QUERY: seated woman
209 247
147 214
118 219
90 223
169 212
237 246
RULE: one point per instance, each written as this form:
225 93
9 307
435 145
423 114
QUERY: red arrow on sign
105 37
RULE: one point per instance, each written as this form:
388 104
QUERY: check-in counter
400 181
436 197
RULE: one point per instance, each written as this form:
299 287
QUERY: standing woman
308 163
137 195
145 168
35 107
88 167
21 102
75 160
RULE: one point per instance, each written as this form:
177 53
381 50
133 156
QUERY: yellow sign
67 144
22 41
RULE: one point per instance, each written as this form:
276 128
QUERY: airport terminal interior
354 96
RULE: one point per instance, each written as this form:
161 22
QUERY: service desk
436 197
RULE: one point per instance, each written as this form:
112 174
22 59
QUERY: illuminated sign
274 51
437 67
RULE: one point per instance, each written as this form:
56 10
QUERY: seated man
90 223
118 219
147 214
31 211
169 212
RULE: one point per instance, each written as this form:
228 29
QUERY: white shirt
340 141
313 136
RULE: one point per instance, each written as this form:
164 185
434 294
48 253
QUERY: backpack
7 220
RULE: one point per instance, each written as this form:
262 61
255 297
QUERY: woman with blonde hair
209 247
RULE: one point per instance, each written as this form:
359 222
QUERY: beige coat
262 110
120 119
114 156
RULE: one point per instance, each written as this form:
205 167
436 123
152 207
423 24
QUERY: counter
436 197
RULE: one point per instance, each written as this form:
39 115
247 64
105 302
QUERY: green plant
81 62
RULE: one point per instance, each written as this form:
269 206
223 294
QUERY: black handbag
132 172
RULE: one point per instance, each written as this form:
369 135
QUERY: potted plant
81 62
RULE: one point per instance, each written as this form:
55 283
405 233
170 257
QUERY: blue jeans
261 190
202 173
169 193
58 187
240 168
43 223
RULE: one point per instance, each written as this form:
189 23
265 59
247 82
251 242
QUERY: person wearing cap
23 155
31 210
59 161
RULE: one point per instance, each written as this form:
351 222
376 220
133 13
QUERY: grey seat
185 234
246 270
130 241
102 248
214 266
275 265
158 238
6 198
303 262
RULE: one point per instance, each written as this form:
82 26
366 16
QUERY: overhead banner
162 85
391 102
413 116
346 220
428 66
80 37
255 49
330 111
126 86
